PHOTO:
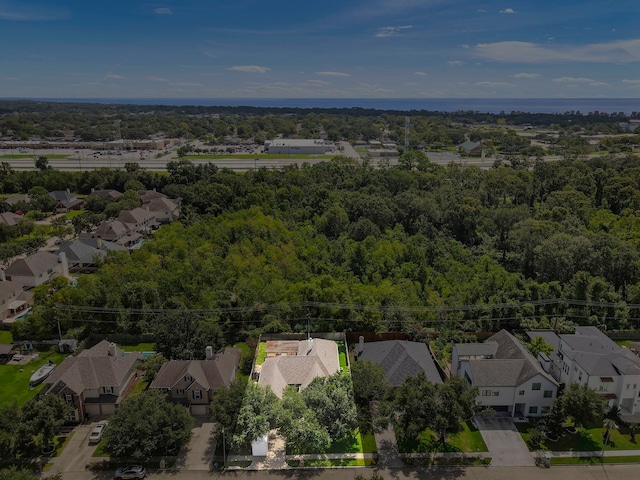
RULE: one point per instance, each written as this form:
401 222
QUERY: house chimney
2 276
62 258
99 243
360 345
309 345
68 191
209 352
112 349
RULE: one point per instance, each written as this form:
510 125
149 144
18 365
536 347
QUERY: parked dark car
131 471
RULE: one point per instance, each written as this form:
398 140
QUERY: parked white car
96 433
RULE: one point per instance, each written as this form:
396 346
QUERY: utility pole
406 134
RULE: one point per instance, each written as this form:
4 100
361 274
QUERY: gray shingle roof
400 359
10 219
477 349
512 365
210 374
598 355
79 252
33 265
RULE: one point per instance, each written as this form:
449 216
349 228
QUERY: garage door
501 408
93 409
199 410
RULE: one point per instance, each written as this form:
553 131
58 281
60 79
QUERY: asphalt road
595 472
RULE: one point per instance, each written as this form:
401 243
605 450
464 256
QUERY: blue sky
306 49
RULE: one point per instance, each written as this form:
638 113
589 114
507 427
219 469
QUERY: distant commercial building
287 146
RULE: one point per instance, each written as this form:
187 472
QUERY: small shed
260 446
6 352
67 345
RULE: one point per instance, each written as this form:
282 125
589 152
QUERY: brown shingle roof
95 368
33 265
210 374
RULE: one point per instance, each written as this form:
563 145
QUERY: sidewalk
598 453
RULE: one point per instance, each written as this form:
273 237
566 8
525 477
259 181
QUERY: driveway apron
505 445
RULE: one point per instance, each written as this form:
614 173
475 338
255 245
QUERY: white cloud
19 12
157 79
525 75
508 10
249 69
455 63
185 84
623 51
631 82
580 80
392 31
495 84
163 11
420 74
113 76
333 74
318 82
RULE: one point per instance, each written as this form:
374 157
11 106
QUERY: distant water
484 105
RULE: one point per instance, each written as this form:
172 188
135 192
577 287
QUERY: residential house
590 357
164 209
116 232
399 359
37 269
84 254
109 192
138 220
96 381
15 201
296 363
194 383
471 149
10 219
508 377
14 300
67 201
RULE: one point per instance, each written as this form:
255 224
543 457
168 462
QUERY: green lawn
15 383
138 347
262 353
587 439
342 354
5 336
345 462
469 440
73 213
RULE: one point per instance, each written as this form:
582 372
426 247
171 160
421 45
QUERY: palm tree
609 425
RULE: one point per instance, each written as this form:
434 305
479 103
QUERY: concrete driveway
505 444
198 454
77 452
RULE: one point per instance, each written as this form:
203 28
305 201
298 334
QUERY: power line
351 306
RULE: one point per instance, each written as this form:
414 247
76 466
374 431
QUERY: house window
603 388
533 410
496 393
180 391
188 378
108 390
536 386
486 393
72 417
197 394
628 386
548 393
68 398
545 410
521 392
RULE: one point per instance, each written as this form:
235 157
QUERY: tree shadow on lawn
427 443
582 441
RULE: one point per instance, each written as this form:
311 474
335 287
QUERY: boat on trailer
43 372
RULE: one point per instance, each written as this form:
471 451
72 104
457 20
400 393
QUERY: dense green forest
343 246
23 120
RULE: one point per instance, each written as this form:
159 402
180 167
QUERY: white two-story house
589 357
509 379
